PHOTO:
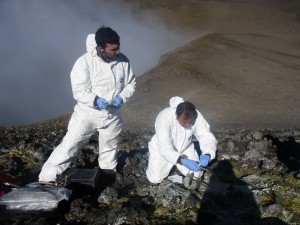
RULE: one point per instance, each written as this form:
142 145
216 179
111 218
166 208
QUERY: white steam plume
40 40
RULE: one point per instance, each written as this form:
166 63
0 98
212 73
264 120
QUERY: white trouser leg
108 143
158 167
79 130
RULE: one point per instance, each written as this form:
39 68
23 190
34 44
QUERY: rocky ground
255 180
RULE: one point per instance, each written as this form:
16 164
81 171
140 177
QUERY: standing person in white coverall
102 80
172 144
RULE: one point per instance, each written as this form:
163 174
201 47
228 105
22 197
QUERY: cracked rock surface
254 180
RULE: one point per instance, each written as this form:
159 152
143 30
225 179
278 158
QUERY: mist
40 41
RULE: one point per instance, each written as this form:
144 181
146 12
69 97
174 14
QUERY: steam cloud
40 40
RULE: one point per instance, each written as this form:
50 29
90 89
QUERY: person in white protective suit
172 144
102 80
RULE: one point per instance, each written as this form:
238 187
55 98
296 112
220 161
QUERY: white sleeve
130 83
164 136
207 141
81 83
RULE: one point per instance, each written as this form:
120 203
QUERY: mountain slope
235 80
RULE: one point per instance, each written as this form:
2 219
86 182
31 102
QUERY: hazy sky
40 40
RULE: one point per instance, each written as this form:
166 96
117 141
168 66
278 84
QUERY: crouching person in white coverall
172 144
102 80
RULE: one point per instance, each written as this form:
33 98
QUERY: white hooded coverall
91 77
172 140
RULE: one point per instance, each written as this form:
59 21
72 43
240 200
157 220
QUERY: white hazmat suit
172 140
91 76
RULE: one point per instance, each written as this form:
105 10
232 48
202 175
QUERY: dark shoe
108 171
107 177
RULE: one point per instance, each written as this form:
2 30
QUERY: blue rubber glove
204 160
101 103
117 102
191 164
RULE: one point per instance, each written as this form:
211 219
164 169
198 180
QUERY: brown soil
243 71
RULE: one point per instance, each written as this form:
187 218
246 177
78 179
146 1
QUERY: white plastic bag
34 198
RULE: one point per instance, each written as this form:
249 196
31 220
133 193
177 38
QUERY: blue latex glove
204 160
101 103
117 102
191 164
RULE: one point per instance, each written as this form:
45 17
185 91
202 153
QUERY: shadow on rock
288 152
228 200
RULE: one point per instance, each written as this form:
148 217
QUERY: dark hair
187 108
106 35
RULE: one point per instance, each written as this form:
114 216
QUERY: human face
111 51
185 121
